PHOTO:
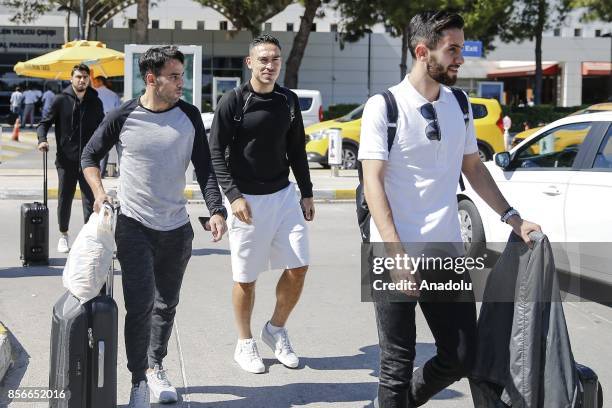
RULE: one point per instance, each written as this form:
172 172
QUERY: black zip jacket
75 122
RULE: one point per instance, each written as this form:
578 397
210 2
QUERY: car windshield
352 115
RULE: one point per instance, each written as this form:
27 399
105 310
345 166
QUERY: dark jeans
68 175
152 265
453 325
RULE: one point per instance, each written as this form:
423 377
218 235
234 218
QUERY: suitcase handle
45 177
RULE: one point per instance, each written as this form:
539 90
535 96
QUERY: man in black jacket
267 229
76 113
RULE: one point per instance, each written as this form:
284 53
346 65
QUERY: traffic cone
16 130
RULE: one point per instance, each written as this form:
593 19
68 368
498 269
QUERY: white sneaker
160 385
280 344
63 245
139 396
247 356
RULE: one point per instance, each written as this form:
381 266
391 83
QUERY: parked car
598 107
487 123
311 106
561 178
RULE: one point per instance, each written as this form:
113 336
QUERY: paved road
331 329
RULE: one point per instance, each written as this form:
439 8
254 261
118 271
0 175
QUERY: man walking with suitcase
158 134
261 124
76 113
410 187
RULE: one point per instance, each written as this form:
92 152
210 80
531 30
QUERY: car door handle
551 191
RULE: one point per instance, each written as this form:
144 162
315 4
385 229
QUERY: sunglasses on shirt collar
432 131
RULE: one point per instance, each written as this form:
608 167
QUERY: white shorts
276 239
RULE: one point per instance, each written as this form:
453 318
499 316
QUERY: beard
439 73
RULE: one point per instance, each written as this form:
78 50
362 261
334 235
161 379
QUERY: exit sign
472 49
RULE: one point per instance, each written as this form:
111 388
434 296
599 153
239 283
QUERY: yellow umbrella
58 64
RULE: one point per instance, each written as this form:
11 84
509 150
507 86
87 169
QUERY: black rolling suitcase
591 393
84 350
35 228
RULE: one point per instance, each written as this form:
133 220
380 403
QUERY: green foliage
27 11
341 109
595 9
536 115
247 14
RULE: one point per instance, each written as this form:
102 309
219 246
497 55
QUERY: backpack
239 113
241 102
363 212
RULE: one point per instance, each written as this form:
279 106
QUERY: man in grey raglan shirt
267 230
158 134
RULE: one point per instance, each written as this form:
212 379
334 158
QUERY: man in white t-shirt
411 194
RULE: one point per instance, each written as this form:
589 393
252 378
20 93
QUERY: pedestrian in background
16 104
110 101
76 113
47 99
30 97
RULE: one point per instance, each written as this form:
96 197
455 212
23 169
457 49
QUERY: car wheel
349 157
472 230
484 153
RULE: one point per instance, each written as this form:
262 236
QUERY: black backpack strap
289 100
239 105
464 104
392 115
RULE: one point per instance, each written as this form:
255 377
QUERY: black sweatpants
68 174
152 267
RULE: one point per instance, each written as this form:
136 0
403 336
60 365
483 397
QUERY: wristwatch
509 213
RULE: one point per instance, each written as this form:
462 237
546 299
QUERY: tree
528 20
247 14
300 41
142 21
361 15
595 9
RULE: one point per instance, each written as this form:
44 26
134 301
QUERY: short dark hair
155 58
80 67
427 27
264 39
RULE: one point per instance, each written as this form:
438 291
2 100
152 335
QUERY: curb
5 351
190 194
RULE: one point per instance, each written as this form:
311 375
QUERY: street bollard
334 150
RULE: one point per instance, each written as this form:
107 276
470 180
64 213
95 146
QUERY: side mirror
502 159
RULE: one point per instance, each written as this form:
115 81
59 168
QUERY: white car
561 178
311 106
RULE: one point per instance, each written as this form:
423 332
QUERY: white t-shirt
421 175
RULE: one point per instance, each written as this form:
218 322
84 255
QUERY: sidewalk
26 184
10 149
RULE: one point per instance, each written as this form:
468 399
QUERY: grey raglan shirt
155 150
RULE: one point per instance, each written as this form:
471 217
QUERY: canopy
58 64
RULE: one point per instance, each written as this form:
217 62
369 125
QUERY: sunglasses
432 131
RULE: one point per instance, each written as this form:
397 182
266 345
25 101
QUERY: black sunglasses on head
432 131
